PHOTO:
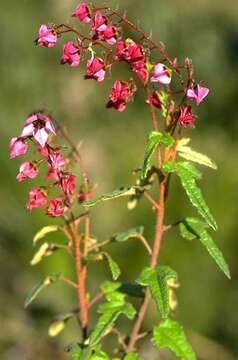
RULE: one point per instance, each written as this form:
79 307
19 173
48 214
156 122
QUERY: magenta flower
109 35
17 147
120 95
186 118
197 94
39 126
36 199
71 54
47 37
56 161
82 13
43 151
67 184
139 67
27 171
129 51
161 74
155 100
56 207
99 24
95 69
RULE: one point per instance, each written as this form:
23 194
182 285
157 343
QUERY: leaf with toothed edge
115 270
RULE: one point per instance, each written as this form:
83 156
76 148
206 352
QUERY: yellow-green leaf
44 231
189 154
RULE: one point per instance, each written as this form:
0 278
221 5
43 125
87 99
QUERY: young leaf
115 270
111 196
99 355
45 250
157 281
170 334
188 174
189 154
40 286
131 356
126 235
155 138
78 353
59 323
196 229
44 231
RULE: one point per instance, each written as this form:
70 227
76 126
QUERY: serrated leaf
197 230
189 154
45 250
170 334
126 235
99 355
168 167
187 174
157 281
40 286
115 270
131 356
78 353
155 138
109 286
44 231
110 196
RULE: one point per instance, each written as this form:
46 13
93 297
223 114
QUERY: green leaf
155 138
115 270
111 196
99 355
44 231
157 281
78 353
131 356
189 154
45 250
126 235
188 173
196 229
170 334
40 286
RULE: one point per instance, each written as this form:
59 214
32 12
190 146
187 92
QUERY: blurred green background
31 78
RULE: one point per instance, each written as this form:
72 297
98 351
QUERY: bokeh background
31 78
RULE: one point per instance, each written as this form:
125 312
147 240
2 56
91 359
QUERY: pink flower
186 118
109 35
99 23
161 74
47 37
27 171
39 126
120 95
139 67
197 94
82 13
67 184
17 147
95 69
71 54
155 100
56 207
43 151
129 51
36 199
56 161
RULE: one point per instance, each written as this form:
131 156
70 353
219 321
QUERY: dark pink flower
129 51
155 100
161 74
71 54
197 94
39 126
47 37
120 95
95 69
56 207
36 199
186 118
56 161
67 184
109 35
139 67
43 151
99 24
17 147
27 171
82 13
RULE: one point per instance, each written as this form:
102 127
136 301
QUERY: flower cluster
156 78
38 130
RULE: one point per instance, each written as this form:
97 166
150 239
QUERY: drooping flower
47 37
82 13
129 51
186 118
109 34
95 69
17 147
139 67
197 94
161 74
39 126
56 164
99 23
56 207
67 184
119 96
155 100
71 54
27 171
36 199
43 151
